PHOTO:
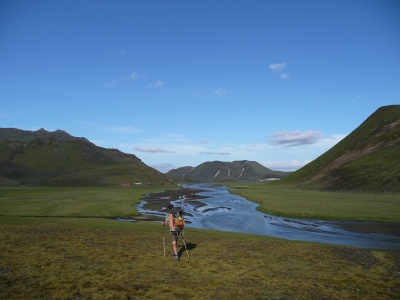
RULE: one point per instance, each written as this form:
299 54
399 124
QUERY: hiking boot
177 258
172 253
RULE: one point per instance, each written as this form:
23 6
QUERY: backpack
178 223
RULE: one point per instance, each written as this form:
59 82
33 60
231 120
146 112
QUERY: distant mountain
59 159
367 159
225 171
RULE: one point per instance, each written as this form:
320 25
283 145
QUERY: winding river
213 207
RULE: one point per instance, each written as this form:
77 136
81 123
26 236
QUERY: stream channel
213 207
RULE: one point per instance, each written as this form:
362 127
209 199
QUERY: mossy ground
281 200
71 253
42 260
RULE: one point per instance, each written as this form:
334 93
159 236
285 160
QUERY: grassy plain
61 244
280 200
105 202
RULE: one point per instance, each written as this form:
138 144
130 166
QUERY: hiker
174 234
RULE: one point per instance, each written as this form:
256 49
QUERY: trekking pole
163 239
187 252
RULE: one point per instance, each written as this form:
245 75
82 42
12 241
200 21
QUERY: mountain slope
225 171
367 159
59 159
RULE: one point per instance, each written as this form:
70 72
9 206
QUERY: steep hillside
59 159
367 159
225 171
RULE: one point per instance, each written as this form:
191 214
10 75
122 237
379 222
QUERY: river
213 207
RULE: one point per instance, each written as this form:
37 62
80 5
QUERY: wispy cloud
220 92
116 129
112 83
135 76
277 67
157 84
296 138
284 76
214 153
116 81
163 167
286 165
149 149
359 97
300 146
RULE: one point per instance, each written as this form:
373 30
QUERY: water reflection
215 208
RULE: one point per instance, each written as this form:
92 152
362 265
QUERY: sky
178 83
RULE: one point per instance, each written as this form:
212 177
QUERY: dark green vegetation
367 159
105 202
218 171
69 259
60 243
279 200
120 202
58 159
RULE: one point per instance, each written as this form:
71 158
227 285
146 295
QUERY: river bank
213 207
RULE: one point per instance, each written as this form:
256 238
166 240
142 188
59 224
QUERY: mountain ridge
60 159
219 171
15 134
367 159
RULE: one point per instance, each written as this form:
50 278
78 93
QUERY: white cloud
284 76
278 67
288 151
296 138
116 81
163 167
359 97
220 92
158 83
135 76
287 166
214 153
112 83
149 149
126 129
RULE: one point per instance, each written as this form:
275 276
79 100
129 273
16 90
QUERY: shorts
174 236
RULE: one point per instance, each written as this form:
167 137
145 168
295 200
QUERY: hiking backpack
176 220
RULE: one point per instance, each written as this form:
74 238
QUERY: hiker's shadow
189 246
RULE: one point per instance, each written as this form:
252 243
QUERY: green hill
59 159
367 159
225 171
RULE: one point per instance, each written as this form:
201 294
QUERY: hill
225 171
367 159
59 159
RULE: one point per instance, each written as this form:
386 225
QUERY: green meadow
290 202
103 202
61 243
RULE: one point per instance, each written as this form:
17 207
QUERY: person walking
169 221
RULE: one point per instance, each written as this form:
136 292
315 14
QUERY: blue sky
179 83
